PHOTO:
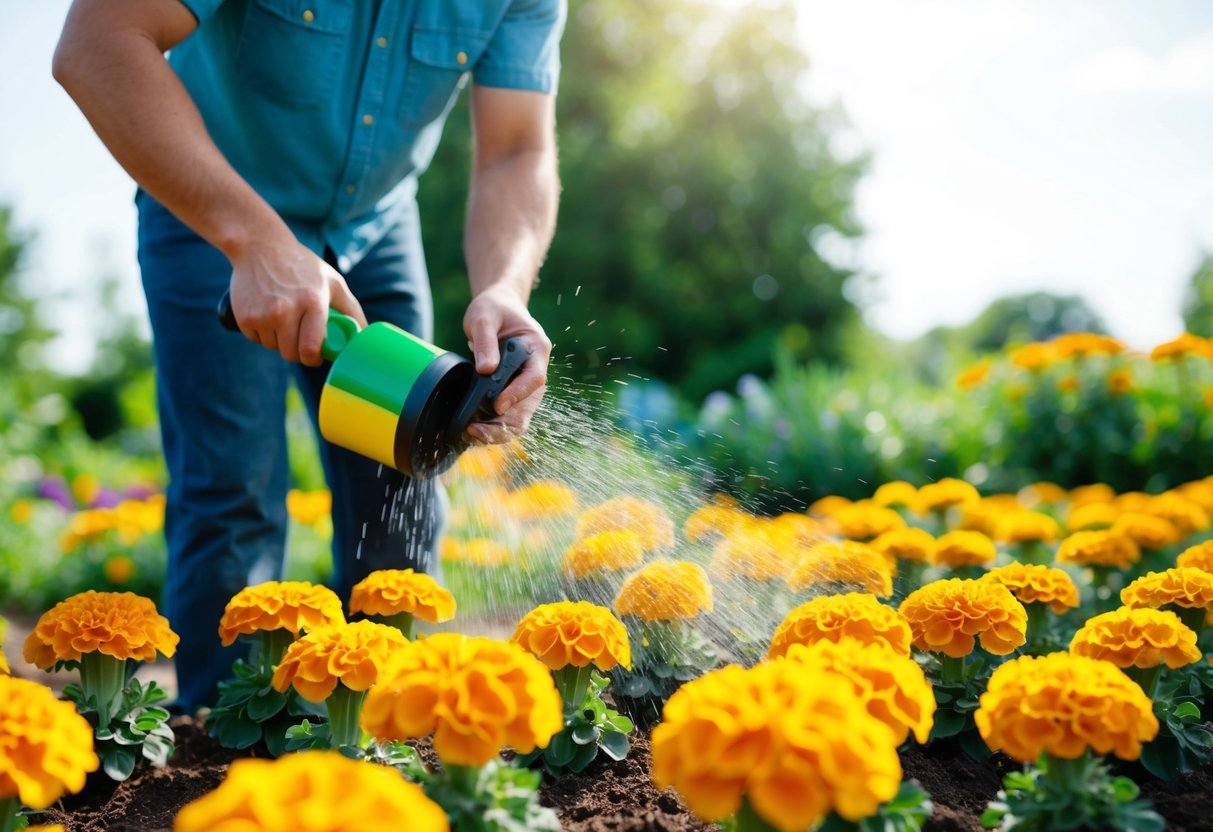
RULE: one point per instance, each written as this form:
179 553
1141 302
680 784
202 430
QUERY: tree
698 187
22 334
1198 301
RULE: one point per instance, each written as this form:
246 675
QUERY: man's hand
495 314
281 294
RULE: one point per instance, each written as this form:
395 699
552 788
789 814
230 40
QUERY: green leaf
615 744
1187 710
234 731
992 817
560 750
118 762
265 704
585 734
583 756
1124 789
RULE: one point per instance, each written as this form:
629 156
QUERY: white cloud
1187 69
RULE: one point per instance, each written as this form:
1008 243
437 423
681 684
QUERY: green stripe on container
381 365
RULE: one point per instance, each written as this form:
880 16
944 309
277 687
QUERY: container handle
340 329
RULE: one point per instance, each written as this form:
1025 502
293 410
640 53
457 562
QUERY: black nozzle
226 316
478 403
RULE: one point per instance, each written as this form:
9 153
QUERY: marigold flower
755 552
1137 638
1041 493
351 654
712 520
943 494
1099 548
1083 495
476 695
1120 381
320 791
309 507
975 374
1199 492
864 521
892 686
983 515
46 748
1080 344
906 544
1034 356
1187 516
1068 383
117 624
279 605
665 590
1199 556
21 511
895 493
1026 527
1034 584
847 563
479 551
1181 586
1185 345
119 569
1064 704
541 500
1132 501
604 552
963 548
853 616
827 505
390 592
1092 516
485 462
1147 530
630 514
575 633
781 734
944 616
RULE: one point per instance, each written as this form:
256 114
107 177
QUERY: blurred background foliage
697 265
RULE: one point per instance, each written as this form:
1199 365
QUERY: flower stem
465 779
102 678
951 669
1067 773
1193 618
273 644
402 621
1145 677
345 714
8 813
749 820
573 684
1038 622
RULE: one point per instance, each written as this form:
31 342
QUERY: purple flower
106 498
56 490
139 491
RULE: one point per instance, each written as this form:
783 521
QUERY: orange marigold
575 633
895 493
1026 527
1034 584
1147 530
848 563
665 590
1137 638
891 686
46 748
754 551
1098 492
712 520
117 624
541 501
853 616
279 605
393 591
1186 515
943 494
1079 344
1034 356
1199 556
963 548
1041 493
351 654
975 374
827 505
1182 586
604 552
476 695
309 507
1185 345
1120 381
864 521
782 734
1099 548
906 544
944 617
983 515
648 520
1092 516
1064 704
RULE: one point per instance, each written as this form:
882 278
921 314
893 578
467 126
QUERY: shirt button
308 16
381 43
368 119
349 189
461 58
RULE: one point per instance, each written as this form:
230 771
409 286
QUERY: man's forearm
511 218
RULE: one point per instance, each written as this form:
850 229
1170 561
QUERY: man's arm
110 59
511 219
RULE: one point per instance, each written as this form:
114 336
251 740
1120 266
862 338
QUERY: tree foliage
698 185
1198 301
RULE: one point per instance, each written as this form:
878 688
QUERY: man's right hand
281 295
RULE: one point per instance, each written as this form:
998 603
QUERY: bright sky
1017 146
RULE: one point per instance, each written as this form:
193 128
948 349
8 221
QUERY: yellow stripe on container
358 425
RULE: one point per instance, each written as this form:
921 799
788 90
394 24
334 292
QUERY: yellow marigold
852 616
1099 548
665 590
484 462
575 633
85 488
944 617
1064 704
1120 381
1142 637
895 493
891 686
351 654
1199 492
1034 584
963 548
1092 516
1132 501
784 735
1078 344
906 544
117 624
631 514
541 501
320 791
279 605
943 494
975 374
309 507
482 551
1068 383
604 552
46 748
753 552
394 591
1026 527
476 695
1041 493
797 529
21 511
864 521
712 520
983 515
1033 357
847 563
827 505
1199 556
1083 495
119 569
1185 345
1147 530
1183 586
1184 514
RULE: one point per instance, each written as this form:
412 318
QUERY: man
277 151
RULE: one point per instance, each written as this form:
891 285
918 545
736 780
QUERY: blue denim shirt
331 109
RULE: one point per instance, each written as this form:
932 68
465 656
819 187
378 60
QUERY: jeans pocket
440 61
291 51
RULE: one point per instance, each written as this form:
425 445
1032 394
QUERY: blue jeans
222 419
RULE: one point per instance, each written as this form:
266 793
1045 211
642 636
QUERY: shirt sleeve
201 9
524 52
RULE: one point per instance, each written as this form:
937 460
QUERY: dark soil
608 797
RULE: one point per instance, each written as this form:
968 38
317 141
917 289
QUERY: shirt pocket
292 51
439 63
